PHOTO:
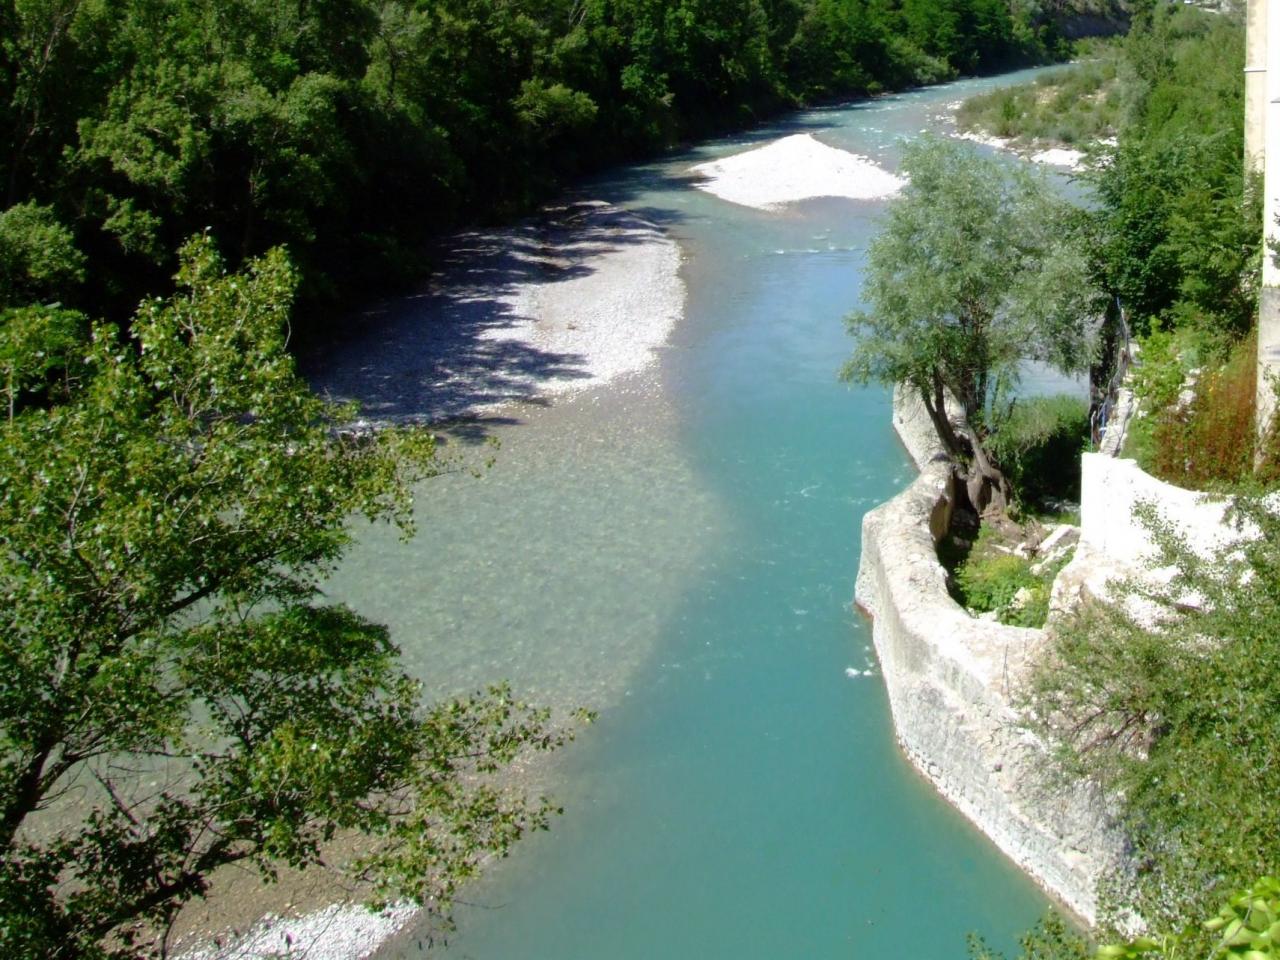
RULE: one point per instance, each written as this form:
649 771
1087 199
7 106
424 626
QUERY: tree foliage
1051 939
352 129
1039 445
38 255
973 275
175 698
1179 225
1245 926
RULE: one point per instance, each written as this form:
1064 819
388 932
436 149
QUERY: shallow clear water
679 552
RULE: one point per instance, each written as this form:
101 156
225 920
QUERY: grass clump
1198 427
1208 443
992 578
1038 446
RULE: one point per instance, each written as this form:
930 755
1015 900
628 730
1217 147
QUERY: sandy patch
795 168
986 139
1060 157
338 932
572 300
1053 156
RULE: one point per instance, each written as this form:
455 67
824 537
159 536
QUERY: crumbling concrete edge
951 679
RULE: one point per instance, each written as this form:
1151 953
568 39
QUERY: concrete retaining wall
949 678
1111 489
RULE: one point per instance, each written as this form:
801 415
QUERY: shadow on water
471 431
467 341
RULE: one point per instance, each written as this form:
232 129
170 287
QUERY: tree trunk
984 482
934 397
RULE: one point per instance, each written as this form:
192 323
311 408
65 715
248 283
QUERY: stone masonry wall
949 678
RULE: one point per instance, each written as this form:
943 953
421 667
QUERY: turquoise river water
678 552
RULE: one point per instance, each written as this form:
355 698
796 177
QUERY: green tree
839 47
38 256
174 698
352 130
1246 926
974 274
1179 227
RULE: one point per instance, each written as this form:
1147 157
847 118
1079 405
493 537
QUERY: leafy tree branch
166 517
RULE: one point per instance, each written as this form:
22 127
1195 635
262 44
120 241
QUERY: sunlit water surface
678 552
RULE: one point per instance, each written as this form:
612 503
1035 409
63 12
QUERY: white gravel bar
798 167
569 301
1053 157
338 932
1060 157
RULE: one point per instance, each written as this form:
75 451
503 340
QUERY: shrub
1160 374
988 578
1209 442
1245 926
1066 106
1050 939
1177 716
990 581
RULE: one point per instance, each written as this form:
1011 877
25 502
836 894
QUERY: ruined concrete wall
1255 84
950 678
1110 491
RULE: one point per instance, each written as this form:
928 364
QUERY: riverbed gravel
566 301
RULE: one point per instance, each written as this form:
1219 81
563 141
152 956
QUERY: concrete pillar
1269 305
1268 356
1255 82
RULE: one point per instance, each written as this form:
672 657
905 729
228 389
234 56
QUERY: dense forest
1179 237
351 130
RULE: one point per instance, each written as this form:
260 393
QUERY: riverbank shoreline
556 308
565 302
951 680
1060 156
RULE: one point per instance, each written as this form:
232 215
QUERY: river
678 552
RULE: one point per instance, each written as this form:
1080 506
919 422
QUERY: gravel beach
567 301
1054 156
337 932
